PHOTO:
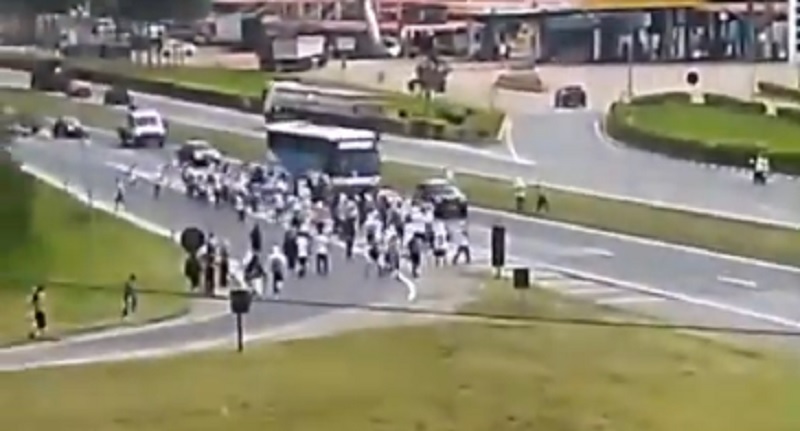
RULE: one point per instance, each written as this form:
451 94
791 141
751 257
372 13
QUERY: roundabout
709 128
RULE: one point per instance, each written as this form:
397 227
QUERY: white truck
143 128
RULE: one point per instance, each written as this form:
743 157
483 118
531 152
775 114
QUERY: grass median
446 375
82 256
724 235
715 124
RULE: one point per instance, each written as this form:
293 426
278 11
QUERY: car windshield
440 189
145 121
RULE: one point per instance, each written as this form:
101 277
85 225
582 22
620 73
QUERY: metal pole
239 333
630 65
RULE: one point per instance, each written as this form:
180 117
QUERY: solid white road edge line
590 291
749 284
689 299
640 240
627 300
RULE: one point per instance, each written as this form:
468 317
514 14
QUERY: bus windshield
362 163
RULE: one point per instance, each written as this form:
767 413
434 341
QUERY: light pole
630 59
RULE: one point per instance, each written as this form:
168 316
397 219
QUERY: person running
322 245
439 244
277 267
303 251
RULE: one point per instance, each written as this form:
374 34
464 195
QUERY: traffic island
767 242
719 130
81 255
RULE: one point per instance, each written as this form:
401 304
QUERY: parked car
78 90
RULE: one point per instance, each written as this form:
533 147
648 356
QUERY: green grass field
47 237
739 238
445 376
713 124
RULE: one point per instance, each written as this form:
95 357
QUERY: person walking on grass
38 313
130 297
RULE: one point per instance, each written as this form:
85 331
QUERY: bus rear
350 157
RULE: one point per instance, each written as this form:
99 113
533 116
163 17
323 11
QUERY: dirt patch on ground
528 81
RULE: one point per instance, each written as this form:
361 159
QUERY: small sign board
192 239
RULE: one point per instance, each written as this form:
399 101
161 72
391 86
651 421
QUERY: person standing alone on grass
542 203
130 297
39 315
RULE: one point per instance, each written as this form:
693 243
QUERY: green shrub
779 91
732 103
659 98
788 114
619 126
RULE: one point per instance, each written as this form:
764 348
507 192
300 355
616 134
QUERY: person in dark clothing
191 270
256 240
542 203
210 276
349 237
38 311
130 297
224 268
290 249
415 254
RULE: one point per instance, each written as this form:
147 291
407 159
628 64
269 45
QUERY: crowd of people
392 231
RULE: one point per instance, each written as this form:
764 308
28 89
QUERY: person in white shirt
322 245
760 169
238 203
439 244
462 247
277 268
303 245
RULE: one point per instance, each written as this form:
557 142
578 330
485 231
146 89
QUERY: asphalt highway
677 283
565 148
96 167
728 290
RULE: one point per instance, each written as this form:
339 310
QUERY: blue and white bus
350 157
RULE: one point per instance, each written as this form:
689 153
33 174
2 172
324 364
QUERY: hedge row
778 91
739 154
414 127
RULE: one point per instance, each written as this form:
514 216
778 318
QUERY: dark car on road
68 127
448 201
571 97
117 96
198 153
